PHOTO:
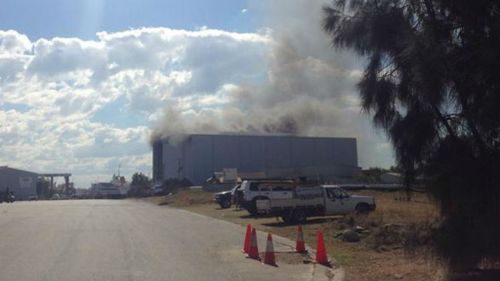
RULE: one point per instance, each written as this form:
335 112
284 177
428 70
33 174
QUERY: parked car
56 196
158 190
322 200
225 198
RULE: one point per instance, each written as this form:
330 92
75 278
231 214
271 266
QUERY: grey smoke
310 88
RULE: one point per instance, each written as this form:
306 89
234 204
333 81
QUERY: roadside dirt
382 259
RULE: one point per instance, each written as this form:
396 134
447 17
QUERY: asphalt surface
128 240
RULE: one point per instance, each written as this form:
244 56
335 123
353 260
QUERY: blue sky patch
14 106
117 114
83 18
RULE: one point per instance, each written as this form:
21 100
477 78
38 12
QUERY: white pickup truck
322 200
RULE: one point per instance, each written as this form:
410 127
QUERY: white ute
325 200
254 190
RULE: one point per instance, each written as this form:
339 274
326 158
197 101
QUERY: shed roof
7 168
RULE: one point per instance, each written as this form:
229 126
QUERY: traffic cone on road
253 252
269 256
248 236
321 257
300 247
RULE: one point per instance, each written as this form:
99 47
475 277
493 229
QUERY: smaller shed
22 183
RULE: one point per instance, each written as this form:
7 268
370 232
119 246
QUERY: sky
84 84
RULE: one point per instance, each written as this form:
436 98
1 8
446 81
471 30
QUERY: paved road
125 240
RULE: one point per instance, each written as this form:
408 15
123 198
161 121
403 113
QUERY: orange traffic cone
253 252
269 257
321 257
248 236
300 247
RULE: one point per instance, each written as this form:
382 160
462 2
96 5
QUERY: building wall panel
277 152
251 151
201 155
226 152
303 152
21 183
171 158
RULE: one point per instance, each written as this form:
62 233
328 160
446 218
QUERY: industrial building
196 157
21 183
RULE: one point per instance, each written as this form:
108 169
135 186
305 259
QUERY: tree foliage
432 82
140 179
43 188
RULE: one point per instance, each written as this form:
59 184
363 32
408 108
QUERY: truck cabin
335 192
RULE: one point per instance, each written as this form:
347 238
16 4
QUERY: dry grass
184 198
360 260
419 209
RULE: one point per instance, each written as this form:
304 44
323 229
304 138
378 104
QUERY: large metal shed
196 157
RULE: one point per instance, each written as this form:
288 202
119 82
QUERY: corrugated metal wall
158 161
172 156
22 183
200 155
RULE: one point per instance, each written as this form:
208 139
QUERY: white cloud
60 55
13 43
64 82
